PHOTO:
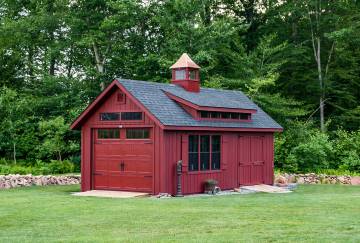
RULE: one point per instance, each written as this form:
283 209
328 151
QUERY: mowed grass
316 213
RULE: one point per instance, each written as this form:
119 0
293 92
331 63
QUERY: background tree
299 60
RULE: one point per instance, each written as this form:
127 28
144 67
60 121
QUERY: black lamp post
178 177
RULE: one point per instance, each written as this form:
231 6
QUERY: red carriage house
134 133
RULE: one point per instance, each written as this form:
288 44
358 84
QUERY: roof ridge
173 85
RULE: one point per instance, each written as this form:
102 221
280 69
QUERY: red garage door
121 163
251 160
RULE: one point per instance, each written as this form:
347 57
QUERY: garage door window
137 133
108 133
204 152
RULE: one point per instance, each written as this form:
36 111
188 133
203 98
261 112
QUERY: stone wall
11 181
312 178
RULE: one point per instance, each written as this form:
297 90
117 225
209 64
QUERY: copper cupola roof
185 61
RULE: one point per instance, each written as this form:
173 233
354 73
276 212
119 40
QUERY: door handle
122 166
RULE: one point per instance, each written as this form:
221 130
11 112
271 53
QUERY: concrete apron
265 188
111 194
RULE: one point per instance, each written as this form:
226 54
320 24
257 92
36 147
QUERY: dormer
203 111
185 73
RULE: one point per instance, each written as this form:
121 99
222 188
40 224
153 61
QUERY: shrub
76 160
312 154
38 168
61 167
294 134
347 150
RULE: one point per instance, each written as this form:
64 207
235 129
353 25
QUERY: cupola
185 73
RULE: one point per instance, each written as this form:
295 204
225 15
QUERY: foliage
38 167
313 153
56 56
302 148
53 133
347 150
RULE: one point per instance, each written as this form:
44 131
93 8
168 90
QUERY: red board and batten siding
232 150
110 104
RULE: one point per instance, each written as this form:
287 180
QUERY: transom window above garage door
123 116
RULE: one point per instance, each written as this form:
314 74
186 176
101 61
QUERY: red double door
251 160
122 164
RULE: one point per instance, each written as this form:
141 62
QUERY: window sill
204 172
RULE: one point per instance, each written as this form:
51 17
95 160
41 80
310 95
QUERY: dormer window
225 115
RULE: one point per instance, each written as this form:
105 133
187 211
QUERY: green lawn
316 213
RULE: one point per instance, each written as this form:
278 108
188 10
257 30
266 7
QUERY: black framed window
110 116
108 133
204 152
137 133
193 152
125 116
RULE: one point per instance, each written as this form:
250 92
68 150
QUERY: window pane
180 74
215 143
205 143
244 116
193 161
204 114
114 116
193 152
131 116
225 115
215 152
192 74
137 133
193 143
205 161
204 152
235 115
215 114
108 133
215 161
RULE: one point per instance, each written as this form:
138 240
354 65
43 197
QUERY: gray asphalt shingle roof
168 112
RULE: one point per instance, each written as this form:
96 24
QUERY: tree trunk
59 153
14 152
52 66
70 62
316 44
100 61
52 56
30 62
321 86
